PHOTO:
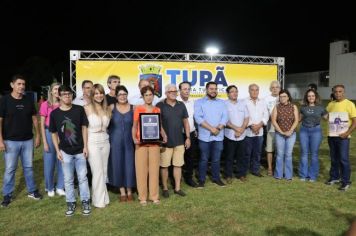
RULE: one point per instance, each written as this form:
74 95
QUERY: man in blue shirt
210 114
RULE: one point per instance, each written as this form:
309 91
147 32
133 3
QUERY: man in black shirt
69 126
113 82
17 115
87 86
174 119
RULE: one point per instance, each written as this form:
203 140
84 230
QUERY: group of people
105 131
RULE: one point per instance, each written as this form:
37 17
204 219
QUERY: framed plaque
338 123
150 127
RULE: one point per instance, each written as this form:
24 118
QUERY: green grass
261 206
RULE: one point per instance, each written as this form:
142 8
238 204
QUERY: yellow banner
163 73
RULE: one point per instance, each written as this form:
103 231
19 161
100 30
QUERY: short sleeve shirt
110 100
343 106
17 118
237 114
68 126
311 115
345 109
45 111
172 120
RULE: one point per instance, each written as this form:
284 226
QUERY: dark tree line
38 71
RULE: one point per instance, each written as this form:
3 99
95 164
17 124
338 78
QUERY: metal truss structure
171 56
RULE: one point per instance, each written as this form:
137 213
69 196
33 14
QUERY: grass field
261 206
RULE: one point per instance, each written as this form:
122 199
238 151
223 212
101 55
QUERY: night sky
41 34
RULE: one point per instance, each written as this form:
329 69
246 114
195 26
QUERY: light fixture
212 50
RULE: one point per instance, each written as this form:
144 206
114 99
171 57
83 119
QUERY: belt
311 126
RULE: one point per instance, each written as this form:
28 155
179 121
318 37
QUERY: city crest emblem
151 73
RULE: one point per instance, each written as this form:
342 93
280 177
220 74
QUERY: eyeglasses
67 94
122 94
173 91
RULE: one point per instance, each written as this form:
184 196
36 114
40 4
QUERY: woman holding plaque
310 135
98 115
121 161
147 155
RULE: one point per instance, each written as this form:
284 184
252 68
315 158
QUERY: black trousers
191 157
235 150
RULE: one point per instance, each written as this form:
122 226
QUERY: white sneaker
60 192
50 193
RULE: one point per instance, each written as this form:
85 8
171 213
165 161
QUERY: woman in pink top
50 160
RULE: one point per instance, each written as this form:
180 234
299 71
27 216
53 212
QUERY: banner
161 73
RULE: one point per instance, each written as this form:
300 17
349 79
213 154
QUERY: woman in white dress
98 144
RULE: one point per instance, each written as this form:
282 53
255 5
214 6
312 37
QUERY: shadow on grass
282 230
350 218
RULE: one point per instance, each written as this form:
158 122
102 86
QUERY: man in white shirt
83 100
271 100
259 116
190 154
137 98
235 133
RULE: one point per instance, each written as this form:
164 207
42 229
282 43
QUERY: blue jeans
339 155
211 150
310 140
253 153
284 148
78 162
14 151
50 162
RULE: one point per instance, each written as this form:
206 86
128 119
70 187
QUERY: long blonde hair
103 104
51 99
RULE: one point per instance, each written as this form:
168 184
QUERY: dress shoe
191 183
201 185
165 193
180 193
257 174
219 183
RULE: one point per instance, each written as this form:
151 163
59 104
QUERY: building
342 70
